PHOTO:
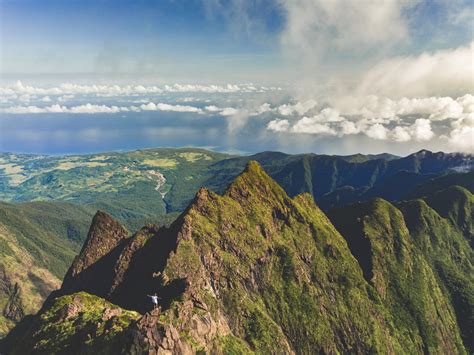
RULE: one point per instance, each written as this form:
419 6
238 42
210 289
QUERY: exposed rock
13 308
156 337
92 267
109 313
69 310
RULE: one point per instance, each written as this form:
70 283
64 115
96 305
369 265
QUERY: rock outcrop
91 269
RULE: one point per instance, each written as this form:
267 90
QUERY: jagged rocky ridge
253 271
51 233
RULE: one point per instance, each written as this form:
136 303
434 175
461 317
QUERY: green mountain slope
250 271
394 187
74 323
449 255
442 182
142 183
379 238
400 186
38 241
359 158
456 204
154 186
440 229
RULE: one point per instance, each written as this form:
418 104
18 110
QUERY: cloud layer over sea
70 118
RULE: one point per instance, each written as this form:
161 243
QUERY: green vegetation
79 324
251 270
52 233
446 249
335 181
272 270
234 346
136 187
442 182
419 262
139 186
455 203
38 241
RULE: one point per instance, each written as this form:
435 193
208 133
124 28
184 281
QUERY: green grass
83 332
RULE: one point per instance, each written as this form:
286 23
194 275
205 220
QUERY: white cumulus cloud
461 137
86 108
349 127
278 125
167 107
401 134
299 108
64 90
315 26
447 72
377 131
421 130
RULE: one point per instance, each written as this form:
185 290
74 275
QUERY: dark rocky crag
254 271
97 256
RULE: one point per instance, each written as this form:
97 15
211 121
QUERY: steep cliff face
92 269
455 204
251 271
274 271
335 180
446 249
400 273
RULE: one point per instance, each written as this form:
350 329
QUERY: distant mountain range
50 201
140 185
256 271
334 181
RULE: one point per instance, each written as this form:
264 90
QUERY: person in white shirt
154 300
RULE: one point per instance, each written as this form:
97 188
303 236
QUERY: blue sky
183 40
332 76
163 38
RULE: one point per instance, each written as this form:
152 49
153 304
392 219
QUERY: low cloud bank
381 118
19 89
450 120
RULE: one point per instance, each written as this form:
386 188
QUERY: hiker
154 300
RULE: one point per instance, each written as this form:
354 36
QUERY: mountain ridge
255 270
168 178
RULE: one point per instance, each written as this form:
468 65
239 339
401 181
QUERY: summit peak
254 181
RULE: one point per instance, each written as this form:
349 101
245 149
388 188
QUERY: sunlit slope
38 241
143 182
